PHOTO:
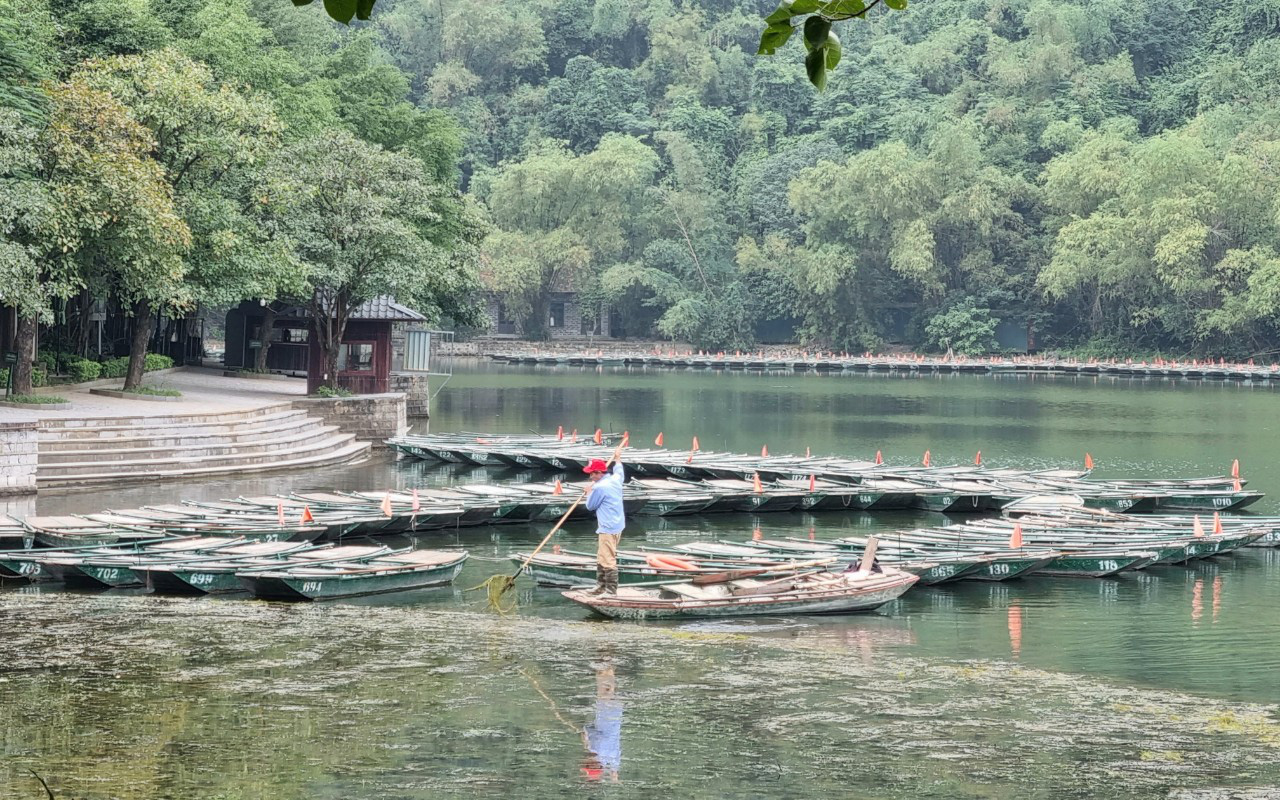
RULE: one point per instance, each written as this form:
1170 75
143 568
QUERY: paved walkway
204 391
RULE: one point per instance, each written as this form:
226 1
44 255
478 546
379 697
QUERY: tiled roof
385 307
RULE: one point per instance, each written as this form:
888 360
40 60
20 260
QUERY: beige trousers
607 550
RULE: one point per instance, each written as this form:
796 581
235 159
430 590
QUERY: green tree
358 223
86 207
562 219
212 143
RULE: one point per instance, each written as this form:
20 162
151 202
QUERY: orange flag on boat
1235 468
977 460
658 442
879 458
306 515
1217 524
1088 461
574 437
813 482
626 438
559 487
807 454
280 512
926 458
560 432
1015 541
755 483
695 444
764 451
1196 527
756 535
1236 485
599 437
417 504
386 504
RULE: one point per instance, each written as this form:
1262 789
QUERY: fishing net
497 588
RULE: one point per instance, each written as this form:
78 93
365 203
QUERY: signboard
11 357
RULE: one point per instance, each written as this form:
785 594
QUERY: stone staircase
270 437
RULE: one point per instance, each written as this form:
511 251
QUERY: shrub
328 391
82 369
39 377
156 361
48 360
964 328
115 367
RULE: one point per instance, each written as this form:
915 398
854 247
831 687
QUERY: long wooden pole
583 496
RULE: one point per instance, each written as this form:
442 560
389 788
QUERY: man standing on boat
604 497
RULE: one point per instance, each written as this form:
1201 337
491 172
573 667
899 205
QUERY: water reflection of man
603 737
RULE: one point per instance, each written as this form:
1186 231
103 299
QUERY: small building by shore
373 355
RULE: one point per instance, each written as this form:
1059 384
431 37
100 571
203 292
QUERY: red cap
596 465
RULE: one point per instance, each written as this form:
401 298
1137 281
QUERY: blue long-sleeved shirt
604 738
606 500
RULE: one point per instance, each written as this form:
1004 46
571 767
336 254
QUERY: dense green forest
1104 172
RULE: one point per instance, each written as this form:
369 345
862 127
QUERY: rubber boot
601 582
611 581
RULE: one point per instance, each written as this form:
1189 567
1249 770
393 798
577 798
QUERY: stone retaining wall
18 440
371 417
417 391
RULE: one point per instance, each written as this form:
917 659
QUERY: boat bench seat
695 592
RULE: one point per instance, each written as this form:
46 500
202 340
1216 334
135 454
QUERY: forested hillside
1105 171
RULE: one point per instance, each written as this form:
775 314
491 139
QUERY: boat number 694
311 586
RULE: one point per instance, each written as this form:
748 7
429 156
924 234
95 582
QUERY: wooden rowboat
392 573
806 593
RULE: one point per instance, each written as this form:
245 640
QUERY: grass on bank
153 391
36 399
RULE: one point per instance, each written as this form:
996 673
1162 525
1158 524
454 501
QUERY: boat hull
619 607
283 587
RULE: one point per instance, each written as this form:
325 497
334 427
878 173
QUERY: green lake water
1157 684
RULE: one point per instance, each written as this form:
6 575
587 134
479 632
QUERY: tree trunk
535 326
264 338
330 324
84 307
25 344
138 344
